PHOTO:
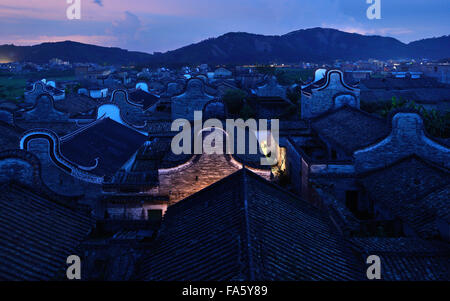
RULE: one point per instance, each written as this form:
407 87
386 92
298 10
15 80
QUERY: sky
162 25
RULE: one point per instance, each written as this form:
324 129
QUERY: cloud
127 29
99 2
160 25
365 30
100 40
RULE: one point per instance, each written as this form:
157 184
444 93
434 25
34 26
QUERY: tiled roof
160 153
158 127
10 136
111 142
413 190
37 235
350 129
407 259
406 180
422 214
438 201
76 103
139 96
245 228
143 172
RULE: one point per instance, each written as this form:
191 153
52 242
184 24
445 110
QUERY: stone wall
33 95
179 183
333 94
55 178
194 99
131 113
294 167
407 138
44 111
272 89
173 89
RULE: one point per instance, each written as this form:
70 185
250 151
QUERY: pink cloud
110 10
96 40
383 31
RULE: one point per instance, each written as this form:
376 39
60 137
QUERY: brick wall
195 176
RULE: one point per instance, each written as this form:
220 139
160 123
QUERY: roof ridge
80 130
210 187
44 193
351 108
279 188
247 246
427 193
426 162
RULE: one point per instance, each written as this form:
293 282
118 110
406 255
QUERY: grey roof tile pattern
111 142
245 228
350 129
413 190
37 235
408 259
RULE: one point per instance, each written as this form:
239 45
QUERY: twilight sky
160 25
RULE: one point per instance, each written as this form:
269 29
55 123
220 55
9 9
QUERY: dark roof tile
111 142
407 259
246 228
37 235
350 129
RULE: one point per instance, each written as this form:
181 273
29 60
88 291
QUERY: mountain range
312 45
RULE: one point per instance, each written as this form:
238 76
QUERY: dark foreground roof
111 142
413 190
408 259
245 228
37 235
9 136
350 129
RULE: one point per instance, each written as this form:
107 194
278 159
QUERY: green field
12 86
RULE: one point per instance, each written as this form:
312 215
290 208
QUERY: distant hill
437 48
314 45
73 52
